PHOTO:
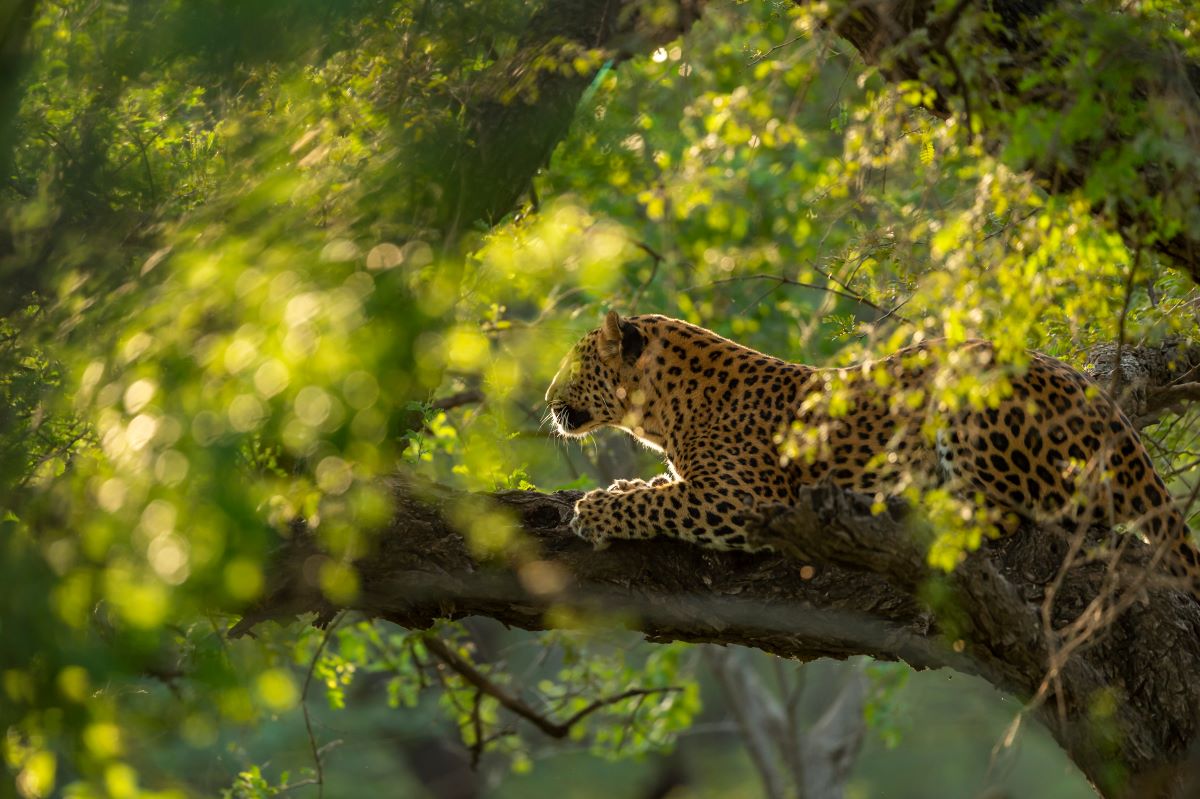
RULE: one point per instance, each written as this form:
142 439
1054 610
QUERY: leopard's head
598 382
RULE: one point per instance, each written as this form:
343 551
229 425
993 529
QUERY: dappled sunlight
262 260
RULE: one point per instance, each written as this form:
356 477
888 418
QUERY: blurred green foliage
239 280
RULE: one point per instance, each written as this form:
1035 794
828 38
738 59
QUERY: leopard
1030 437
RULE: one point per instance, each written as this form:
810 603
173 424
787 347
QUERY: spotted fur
741 429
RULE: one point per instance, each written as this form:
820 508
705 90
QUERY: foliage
235 301
880 711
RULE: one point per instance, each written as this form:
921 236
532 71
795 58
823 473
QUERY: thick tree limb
1149 381
985 618
423 571
760 720
830 748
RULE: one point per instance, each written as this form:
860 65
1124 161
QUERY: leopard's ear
621 338
612 327
610 335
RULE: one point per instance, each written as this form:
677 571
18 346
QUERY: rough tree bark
1151 381
1113 682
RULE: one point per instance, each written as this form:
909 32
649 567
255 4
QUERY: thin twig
656 261
64 449
612 700
962 87
945 26
312 739
763 56
477 728
468 397
515 704
787 281
1118 374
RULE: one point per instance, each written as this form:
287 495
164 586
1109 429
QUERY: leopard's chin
578 432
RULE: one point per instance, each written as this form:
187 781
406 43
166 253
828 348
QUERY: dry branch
514 703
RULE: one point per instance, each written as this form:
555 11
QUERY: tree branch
513 703
1152 380
830 747
983 619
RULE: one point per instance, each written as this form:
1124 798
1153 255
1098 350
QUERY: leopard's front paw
589 520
